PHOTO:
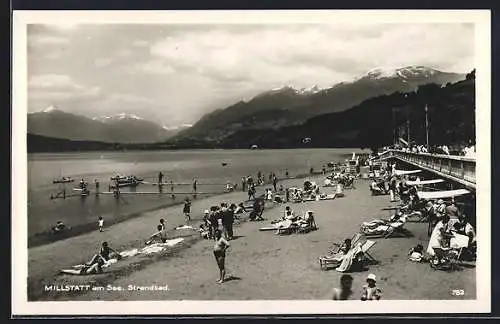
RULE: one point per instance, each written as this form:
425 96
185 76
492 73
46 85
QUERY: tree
471 75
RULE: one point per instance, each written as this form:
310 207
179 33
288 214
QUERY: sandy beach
260 265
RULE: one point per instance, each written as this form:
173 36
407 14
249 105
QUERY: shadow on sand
231 278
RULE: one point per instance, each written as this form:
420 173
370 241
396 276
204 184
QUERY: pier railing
458 168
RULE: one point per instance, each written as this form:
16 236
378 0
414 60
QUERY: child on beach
100 223
370 290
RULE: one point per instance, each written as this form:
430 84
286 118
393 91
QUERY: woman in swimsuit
220 247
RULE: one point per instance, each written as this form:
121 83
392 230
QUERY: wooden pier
456 168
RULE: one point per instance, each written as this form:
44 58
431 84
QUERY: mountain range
120 128
287 106
272 110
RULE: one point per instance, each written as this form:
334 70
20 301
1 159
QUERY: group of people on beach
446 220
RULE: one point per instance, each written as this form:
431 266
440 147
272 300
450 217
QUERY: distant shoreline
44 144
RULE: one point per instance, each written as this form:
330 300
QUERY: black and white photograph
258 162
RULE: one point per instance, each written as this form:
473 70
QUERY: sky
174 74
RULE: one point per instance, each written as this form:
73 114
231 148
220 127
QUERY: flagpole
426 129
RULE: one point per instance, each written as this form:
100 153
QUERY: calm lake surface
179 166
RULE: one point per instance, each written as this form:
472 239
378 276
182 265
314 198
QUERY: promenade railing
459 168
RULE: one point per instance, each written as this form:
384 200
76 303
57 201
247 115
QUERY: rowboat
63 180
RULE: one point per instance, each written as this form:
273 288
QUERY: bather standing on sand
187 210
275 183
220 247
243 184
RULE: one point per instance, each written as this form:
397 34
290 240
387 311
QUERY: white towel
129 253
158 247
184 227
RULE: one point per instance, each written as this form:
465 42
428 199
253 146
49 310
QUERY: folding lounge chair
362 247
335 247
365 247
391 231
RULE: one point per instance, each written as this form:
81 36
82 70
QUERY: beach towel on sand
184 227
76 269
150 249
158 247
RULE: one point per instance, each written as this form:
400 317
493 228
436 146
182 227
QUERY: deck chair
358 253
349 184
335 247
365 247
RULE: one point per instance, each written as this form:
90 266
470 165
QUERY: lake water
179 166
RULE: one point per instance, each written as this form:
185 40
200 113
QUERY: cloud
58 87
177 73
62 26
151 67
140 43
129 98
47 40
103 61
325 53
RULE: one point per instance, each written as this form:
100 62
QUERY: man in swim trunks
220 247
344 292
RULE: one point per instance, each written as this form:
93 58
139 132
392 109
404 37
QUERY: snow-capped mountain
119 128
120 116
284 106
287 88
50 109
407 72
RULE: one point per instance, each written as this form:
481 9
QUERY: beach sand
260 265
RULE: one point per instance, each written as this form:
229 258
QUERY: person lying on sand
160 235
